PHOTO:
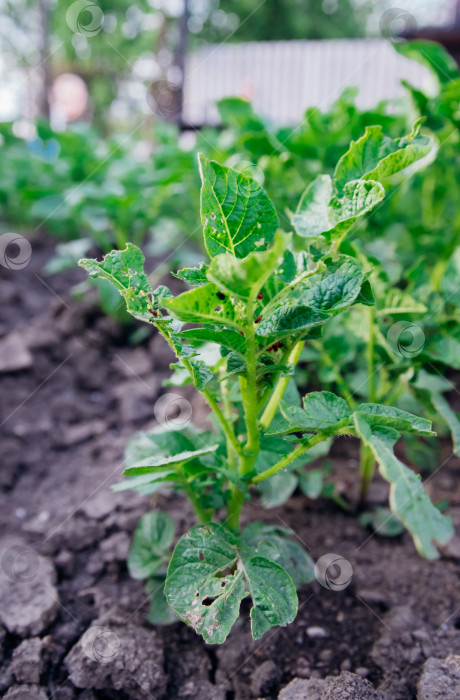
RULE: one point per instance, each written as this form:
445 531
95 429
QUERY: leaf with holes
377 157
323 214
237 214
209 575
244 277
124 269
204 304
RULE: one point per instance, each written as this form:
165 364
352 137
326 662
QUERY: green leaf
314 299
160 440
321 213
322 411
236 213
232 340
204 584
150 548
376 156
311 483
382 521
444 349
273 595
244 277
432 55
124 269
449 282
155 462
274 492
408 499
336 288
194 276
202 305
146 484
404 422
395 301
289 320
237 112
275 543
450 417
207 579
160 613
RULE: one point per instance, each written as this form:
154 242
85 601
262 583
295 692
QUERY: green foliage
236 213
258 298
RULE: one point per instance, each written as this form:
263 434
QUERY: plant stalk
281 386
366 469
370 354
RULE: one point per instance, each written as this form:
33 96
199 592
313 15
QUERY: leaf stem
298 452
366 468
202 515
229 434
249 394
212 403
370 354
280 388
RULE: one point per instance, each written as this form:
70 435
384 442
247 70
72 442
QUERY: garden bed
83 390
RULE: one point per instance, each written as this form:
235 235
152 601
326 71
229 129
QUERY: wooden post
44 58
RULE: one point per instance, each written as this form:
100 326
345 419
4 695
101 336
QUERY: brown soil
65 421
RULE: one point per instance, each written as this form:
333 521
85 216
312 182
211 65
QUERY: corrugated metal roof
283 78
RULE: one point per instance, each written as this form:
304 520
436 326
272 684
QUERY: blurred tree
246 20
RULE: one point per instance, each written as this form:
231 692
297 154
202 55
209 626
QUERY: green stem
281 386
202 514
229 434
366 468
339 380
234 508
248 386
370 354
249 395
298 452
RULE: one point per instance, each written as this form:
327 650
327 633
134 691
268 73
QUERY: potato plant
258 299
401 351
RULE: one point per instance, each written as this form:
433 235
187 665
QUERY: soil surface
80 389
